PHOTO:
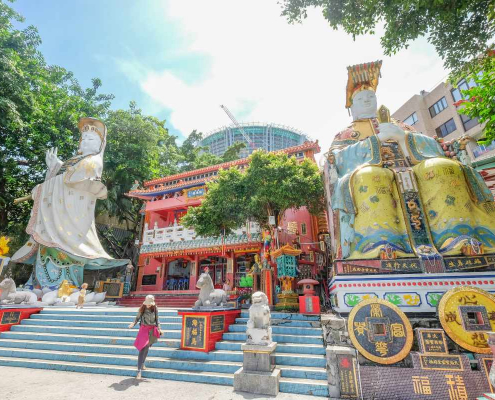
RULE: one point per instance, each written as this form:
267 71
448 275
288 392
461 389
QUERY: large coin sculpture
380 331
467 314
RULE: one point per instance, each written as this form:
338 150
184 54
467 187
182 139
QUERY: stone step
105 318
111 340
96 312
164 352
94 324
287 316
170 374
281 347
287 385
304 386
155 362
290 330
171 334
285 322
241 337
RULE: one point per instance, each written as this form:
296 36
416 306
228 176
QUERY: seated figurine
394 193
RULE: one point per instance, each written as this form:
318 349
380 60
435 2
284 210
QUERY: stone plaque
467 314
347 377
441 362
217 323
432 341
11 317
380 331
194 332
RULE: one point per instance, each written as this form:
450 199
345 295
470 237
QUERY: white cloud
289 74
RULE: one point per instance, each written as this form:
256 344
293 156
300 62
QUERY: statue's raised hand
51 158
390 131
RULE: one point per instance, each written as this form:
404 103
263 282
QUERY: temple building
172 256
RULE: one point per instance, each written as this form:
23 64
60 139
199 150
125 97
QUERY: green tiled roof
200 243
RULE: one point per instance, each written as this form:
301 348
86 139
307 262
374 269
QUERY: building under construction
268 137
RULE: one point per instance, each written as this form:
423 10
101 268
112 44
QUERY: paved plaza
35 384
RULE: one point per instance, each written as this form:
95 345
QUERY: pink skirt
143 336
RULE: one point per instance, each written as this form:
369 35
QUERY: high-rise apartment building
434 113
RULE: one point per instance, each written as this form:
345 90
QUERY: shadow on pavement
126 384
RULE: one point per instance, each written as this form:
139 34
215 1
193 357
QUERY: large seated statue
63 240
394 194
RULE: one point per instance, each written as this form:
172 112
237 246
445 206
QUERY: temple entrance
177 275
218 269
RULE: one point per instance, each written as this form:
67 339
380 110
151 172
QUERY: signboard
401 265
194 332
463 263
271 220
441 362
217 323
347 376
432 341
149 280
11 317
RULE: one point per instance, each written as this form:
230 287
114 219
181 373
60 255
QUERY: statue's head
362 82
204 280
364 105
259 298
93 133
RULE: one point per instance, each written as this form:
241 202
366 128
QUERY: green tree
137 146
480 101
460 30
272 184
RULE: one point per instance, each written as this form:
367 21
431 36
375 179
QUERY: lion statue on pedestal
259 331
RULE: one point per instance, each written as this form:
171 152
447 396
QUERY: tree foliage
272 184
480 101
460 30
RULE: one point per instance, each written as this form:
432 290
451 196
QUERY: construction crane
238 126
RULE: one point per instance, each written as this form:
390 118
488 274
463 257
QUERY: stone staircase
97 341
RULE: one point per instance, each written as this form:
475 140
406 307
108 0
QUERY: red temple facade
172 256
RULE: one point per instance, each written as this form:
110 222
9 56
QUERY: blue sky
181 59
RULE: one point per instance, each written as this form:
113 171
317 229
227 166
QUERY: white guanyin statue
63 240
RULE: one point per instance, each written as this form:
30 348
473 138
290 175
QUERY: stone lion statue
208 295
259 331
9 295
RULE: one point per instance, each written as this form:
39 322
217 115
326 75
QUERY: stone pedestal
258 374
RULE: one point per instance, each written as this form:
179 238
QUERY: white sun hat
150 300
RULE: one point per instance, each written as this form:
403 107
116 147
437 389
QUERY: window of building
468 122
303 229
412 119
462 85
446 128
438 107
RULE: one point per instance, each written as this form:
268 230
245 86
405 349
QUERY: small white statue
208 295
259 331
9 295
